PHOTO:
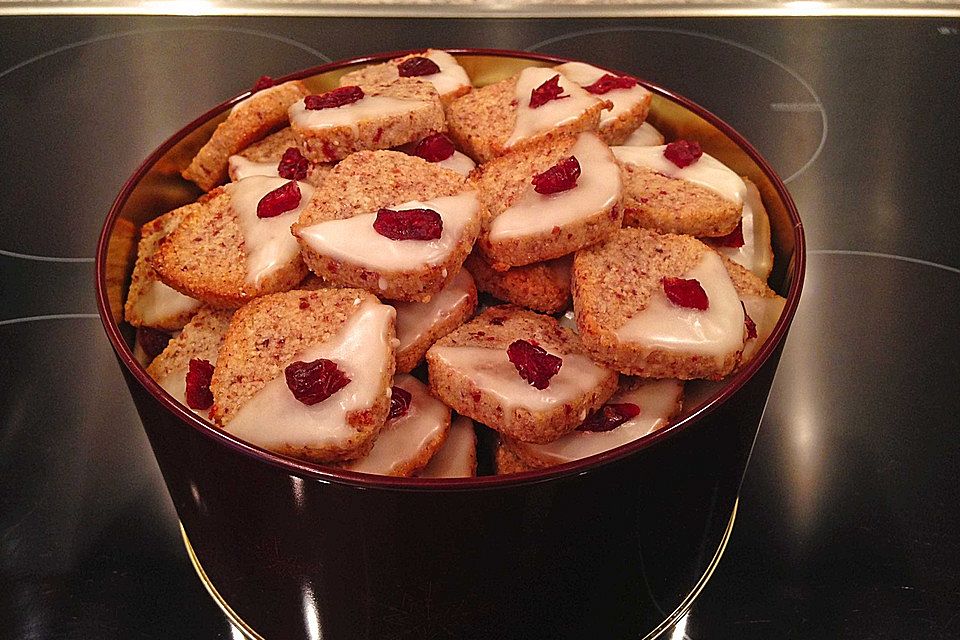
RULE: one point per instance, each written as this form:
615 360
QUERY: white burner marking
56 316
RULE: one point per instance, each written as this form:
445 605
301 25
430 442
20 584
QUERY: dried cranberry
609 417
609 82
549 90
685 292
417 66
734 239
750 324
332 99
399 402
280 200
560 177
263 82
683 153
199 374
409 224
313 382
534 365
293 166
152 341
434 148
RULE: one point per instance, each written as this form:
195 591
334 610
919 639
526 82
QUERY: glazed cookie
542 286
332 125
415 430
439 149
439 68
390 223
518 372
150 303
761 304
548 199
646 135
276 155
506 461
631 101
749 243
235 243
457 458
657 306
249 120
307 373
676 188
525 108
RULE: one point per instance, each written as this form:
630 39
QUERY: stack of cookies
323 303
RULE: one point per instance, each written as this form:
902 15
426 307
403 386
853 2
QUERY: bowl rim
315 472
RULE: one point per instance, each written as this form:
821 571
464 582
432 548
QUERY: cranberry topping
750 324
263 82
293 166
686 293
199 374
560 177
313 382
152 341
609 417
734 239
409 224
332 99
399 403
534 365
417 66
609 82
549 90
280 200
434 148
683 153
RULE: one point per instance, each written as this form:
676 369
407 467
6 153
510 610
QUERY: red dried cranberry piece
683 153
332 99
609 417
417 66
549 90
293 166
263 82
560 177
280 200
152 341
734 239
748 321
409 224
199 374
399 402
609 82
434 148
534 365
313 382
685 292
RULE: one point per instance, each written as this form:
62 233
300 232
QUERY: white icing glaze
274 418
659 400
756 253
351 115
451 77
707 172
403 440
598 187
414 319
764 312
492 371
241 168
551 115
355 241
716 332
458 162
645 136
457 458
158 302
569 320
268 242
623 99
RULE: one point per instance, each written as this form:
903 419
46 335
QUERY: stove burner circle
85 114
762 98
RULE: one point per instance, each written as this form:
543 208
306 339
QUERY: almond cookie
277 153
457 458
542 286
631 102
439 68
761 304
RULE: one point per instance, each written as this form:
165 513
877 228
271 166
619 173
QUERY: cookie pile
323 302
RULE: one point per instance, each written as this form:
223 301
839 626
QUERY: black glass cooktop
848 525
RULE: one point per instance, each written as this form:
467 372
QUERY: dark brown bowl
612 546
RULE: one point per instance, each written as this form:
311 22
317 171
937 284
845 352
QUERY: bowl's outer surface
606 547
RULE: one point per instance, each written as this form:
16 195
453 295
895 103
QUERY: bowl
614 546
